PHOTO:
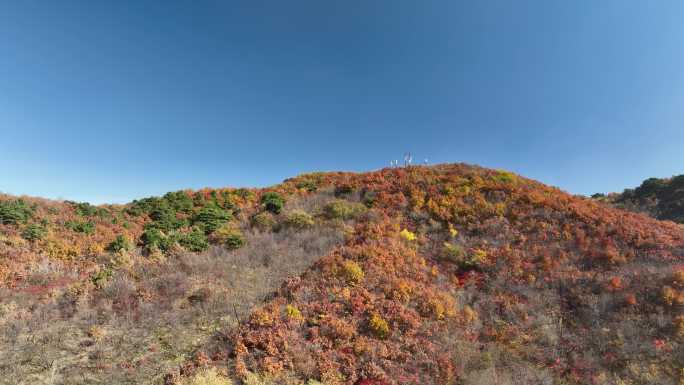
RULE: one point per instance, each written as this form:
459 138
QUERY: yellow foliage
469 315
208 376
362 345
352 272
417 198
255 379
672 296
453 253
225 233
379 326
401 291
505 176
58 249
261 317
500 209
299 219
155 254
95 249
407 235
679 325
452 231
293 313
263 221
678 277
122 258
13 241
439 306
479 256
96 332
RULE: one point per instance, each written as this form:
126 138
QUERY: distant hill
660 198
444 275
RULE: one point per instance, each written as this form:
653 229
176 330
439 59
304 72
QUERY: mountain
450 274
660 198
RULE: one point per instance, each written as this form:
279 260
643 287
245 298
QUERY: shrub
101 277
466 261
407 235
60 249
291 312
651 186
196 240
142 206
80 227
400 290
615 284
164 218
97 332
343 189
120 243
453 253
469 314
477 258
672 296
34 232
337 329
679 325
272 202
299 219
369 198
228 236
234 240
352 272
153 238
261 318
85 209
179 201
263 221
341 209
211 218
630 299
200 296
437 305
678 277
505 177
14 211
208 376
378 326
307 184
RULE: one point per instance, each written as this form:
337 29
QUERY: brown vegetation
451 274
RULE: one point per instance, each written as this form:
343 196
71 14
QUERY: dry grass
147 318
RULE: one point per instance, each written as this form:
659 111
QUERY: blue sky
111 101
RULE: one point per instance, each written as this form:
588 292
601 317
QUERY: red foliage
521 243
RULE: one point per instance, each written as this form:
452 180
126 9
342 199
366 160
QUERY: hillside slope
122 294
452 274
660 198
464 275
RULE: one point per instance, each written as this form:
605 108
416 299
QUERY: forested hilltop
660 198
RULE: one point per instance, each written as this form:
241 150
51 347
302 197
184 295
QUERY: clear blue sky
110 101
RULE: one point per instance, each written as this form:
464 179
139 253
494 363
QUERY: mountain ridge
661 198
